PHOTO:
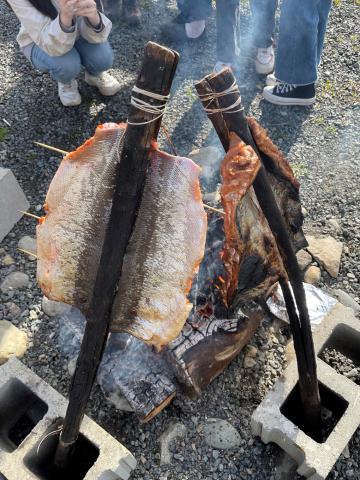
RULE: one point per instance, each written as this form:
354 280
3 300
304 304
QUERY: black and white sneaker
286 94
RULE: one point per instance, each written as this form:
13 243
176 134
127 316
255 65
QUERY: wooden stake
157 73
49 147
235 120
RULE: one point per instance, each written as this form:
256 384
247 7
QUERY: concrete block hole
333 408
41 462
20 411
342 352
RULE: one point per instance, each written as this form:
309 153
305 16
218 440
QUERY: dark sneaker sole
276 100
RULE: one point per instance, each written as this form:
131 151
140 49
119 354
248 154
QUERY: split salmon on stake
164 252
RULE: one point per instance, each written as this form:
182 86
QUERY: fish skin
78 204
164 252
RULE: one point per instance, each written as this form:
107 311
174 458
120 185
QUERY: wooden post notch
228 115
156 76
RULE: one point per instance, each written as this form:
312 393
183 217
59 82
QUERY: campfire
131 252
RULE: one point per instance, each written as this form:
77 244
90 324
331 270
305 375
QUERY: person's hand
88 9
67 11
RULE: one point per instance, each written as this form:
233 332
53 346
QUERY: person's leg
263 22
324 7
97 58
131 12
62 69
263 26
191 11
296 57
227 25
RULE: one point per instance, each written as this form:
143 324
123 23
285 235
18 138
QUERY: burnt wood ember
228 116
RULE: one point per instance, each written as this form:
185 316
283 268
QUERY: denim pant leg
95 57
62 69
324 8
297 53
263 22
192 10
227 25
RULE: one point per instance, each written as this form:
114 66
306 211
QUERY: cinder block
12 200
28 401
341 330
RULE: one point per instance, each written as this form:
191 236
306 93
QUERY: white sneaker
69 93
265 60
271 80
106 83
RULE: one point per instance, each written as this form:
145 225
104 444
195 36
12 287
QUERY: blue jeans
95 57
301 40
227 22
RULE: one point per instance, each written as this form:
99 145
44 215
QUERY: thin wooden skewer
217 210
27 253
171 143
30 215
169 139
54 149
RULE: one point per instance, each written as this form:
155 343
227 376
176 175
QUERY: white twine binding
210 97
144 106
54 432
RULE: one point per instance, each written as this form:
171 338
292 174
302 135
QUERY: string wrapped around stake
211 97
147 107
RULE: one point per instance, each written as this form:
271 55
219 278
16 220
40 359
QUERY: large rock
14 281
327 251
13 342
221 434
175 430
28 244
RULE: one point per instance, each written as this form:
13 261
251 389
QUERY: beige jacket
48 34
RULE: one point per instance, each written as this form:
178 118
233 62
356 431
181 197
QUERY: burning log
222 101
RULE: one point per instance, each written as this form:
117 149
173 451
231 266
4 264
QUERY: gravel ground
320 142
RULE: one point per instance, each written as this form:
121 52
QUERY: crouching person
61 36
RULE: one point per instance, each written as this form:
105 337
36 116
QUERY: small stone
33 315
312 275
53 309
304 259
8 260
249 362
327 251
346 452
354 372
13 281
346 300
174 430
13 310
334 225
250 351
13 342
304 211
29 244
221 434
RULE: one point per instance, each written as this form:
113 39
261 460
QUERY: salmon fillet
251 258
164 252
78 202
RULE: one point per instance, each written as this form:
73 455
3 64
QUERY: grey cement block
340 329
114 462
12 200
